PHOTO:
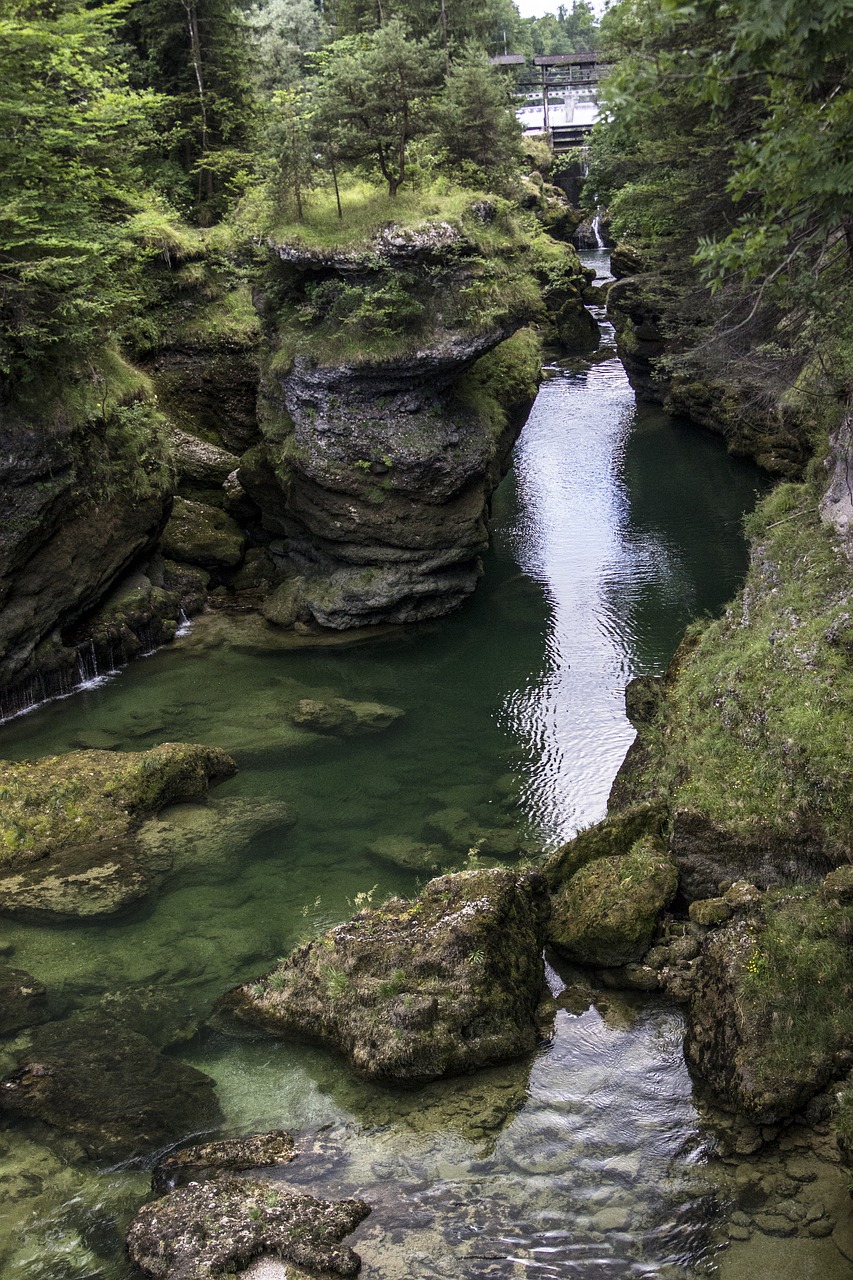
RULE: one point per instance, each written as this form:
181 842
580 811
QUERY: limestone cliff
383 439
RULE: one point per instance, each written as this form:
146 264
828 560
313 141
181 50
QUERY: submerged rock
341 716
69 824
23 1000
606 913
108 1087
213 1229
417 989
231 1155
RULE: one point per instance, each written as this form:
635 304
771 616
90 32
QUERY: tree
373 97
72 136
195 53
291 145
477 125
284 31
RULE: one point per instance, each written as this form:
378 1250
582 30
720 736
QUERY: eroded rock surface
417 989
217 1159
108 1087
212 1229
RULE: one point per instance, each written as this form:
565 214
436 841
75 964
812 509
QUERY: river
616 526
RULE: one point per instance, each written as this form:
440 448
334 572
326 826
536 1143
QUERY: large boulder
69 824
769 1021
108 1087
197 533
213 1229
605 915
413 990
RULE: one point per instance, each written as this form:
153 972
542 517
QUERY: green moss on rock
414 990
606 914
771 1021
197 533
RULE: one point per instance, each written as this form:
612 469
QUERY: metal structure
560 94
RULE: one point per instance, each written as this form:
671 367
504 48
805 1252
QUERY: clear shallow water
616 527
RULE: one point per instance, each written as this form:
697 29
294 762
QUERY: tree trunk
205 177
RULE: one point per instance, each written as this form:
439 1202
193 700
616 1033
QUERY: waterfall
596 228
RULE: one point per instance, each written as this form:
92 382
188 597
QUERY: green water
616 527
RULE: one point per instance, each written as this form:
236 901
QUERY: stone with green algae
413 990
217 1228
69 824
605 915
108 1087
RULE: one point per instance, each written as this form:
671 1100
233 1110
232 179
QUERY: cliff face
75 513
723 396
382 439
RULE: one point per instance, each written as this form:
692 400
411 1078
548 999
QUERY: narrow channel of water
617 526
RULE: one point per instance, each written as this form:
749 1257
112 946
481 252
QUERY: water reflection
630 524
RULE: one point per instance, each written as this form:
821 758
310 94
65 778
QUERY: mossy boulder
610 838
212 1229
202 468
770 1016
414 990
68 824
606 914
107 1087
197 533
343 717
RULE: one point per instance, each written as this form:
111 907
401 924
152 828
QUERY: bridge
560 92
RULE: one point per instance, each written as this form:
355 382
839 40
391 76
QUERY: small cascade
87 663
184 624
596 228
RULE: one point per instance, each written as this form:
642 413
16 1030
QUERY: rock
742 894
836 508
69 823
611 838
202 467
625 260
208 834
341 716
215 1159
401 851
444 984
708 853
97 879
108 1087
23 1000
642 699
286 605
199 534
211 1229
72 521
606 914
710 911
763 1046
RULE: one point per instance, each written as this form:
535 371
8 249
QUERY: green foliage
477 127
71 138
756 731
372 98
799 978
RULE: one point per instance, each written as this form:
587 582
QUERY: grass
367 209
800 979
756 732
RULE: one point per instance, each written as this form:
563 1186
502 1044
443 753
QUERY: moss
608 839
755 732
607 912
798 982
92 796
506 378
